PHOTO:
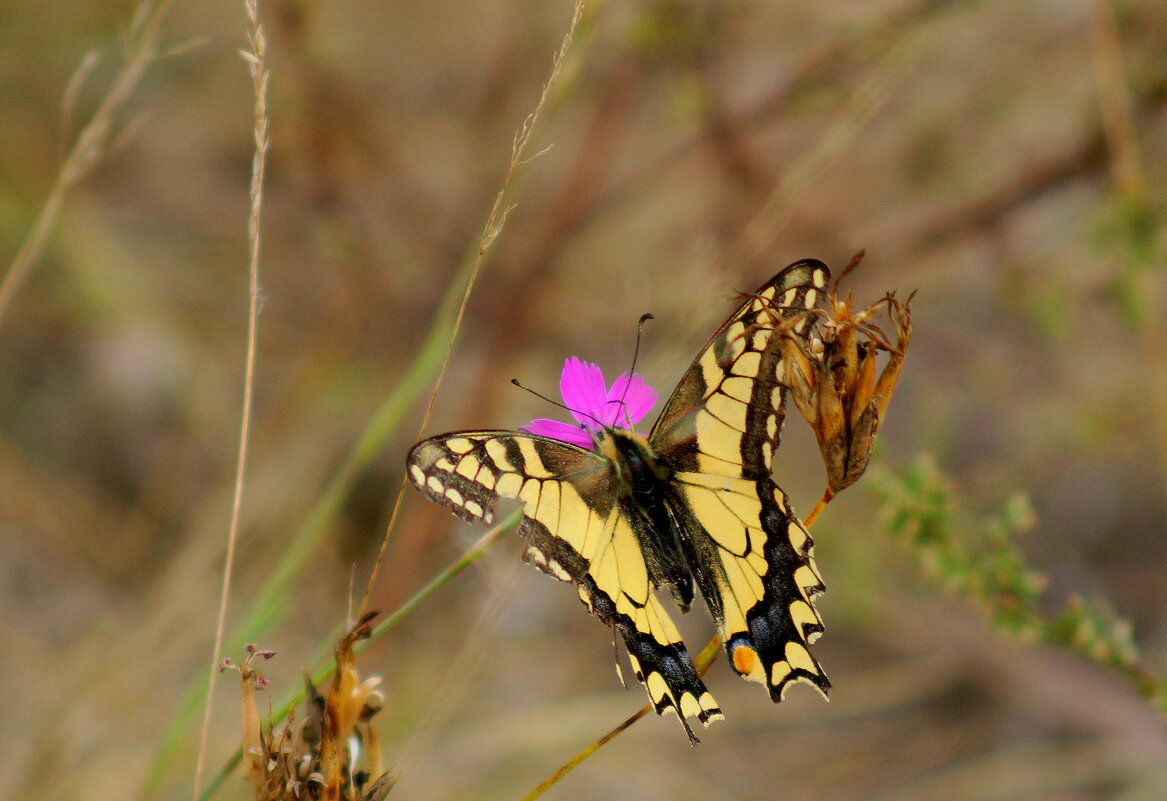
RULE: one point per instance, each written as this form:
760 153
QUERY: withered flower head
316 759
832 376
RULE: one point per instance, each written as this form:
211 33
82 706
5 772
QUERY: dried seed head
317 758
832 376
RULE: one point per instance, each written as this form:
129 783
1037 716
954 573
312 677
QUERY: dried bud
253 750
318 758
832 378
380 788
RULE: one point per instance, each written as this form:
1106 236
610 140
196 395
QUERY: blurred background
1005 159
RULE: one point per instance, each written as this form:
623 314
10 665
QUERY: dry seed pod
832 377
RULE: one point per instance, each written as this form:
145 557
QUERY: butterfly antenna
644 318
541 396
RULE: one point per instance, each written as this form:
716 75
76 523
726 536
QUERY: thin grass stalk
1135 198
703 662
257 65
1114 103
441 339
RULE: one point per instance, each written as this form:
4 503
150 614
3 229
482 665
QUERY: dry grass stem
256 61
1114 102
1131 185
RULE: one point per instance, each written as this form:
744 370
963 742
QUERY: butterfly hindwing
752 558
576 531
757 573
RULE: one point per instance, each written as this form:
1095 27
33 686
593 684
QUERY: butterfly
692 505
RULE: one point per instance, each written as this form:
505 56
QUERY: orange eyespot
745 659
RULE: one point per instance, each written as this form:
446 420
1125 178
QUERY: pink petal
564 432
582 388
629 399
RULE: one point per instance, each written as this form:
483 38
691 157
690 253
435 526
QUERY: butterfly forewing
735 384
752 558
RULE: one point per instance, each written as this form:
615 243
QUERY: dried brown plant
314 758
832 376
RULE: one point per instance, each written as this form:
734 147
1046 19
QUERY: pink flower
594 406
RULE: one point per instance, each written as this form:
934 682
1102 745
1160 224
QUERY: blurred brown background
695 148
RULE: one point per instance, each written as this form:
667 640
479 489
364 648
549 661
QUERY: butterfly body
662 525
693 503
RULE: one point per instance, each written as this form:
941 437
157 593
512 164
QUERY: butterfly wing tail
658 656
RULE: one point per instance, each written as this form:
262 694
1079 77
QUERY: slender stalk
259 78
1132 188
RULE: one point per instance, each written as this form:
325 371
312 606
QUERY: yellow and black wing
752 559
576 531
